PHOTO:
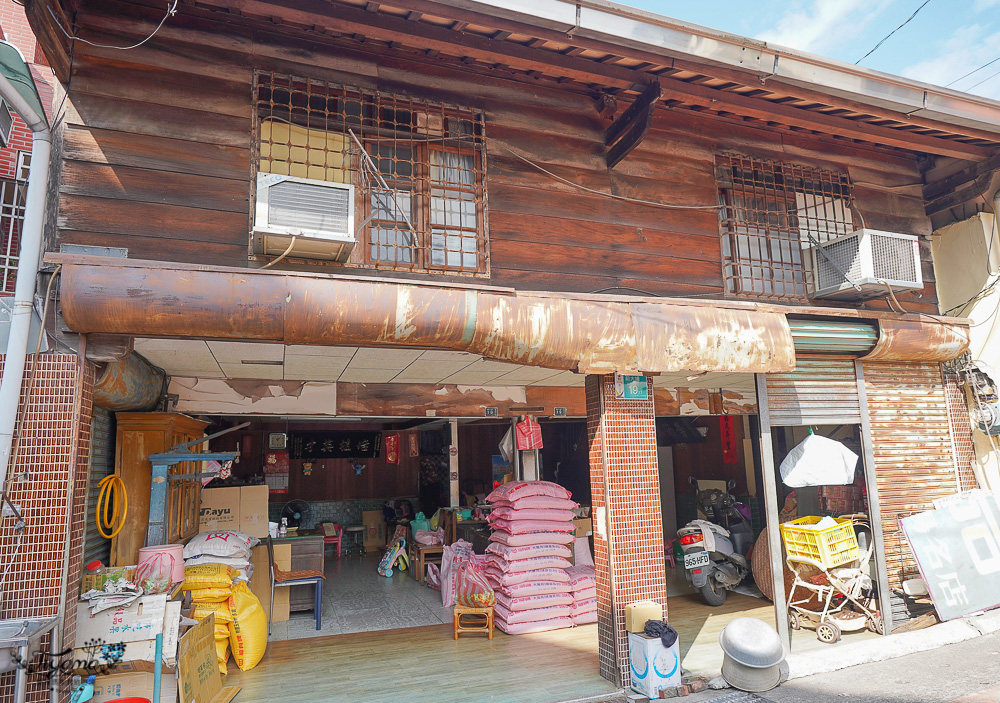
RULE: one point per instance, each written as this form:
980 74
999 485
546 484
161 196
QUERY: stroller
831 592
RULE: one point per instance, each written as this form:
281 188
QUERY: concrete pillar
628 526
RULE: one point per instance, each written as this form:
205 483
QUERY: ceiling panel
397 359
235 352
303 350
273 373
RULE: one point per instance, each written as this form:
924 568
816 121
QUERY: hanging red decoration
728 438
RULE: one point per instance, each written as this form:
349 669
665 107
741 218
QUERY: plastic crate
826 548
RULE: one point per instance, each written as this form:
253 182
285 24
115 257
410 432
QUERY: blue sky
947 39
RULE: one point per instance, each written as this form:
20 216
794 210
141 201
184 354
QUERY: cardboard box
143 620
135 684
654 666
236 508
374 529
584 526
198 676
260 582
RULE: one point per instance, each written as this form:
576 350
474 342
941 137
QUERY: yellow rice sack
211 595
222 610
209 576
248 630
222 631
222 652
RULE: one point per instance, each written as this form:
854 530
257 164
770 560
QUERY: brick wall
52 451
625 485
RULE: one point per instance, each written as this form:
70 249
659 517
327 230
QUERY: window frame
375 109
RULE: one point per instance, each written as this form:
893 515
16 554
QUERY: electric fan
297 512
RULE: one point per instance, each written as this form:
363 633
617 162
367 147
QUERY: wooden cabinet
138 436
307 554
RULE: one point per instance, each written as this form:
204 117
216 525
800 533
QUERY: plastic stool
668 553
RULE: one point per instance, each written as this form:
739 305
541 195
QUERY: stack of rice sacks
528 556
583 587
216 569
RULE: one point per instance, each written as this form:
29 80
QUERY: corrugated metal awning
823 337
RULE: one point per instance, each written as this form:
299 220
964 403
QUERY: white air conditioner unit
320 214
867 257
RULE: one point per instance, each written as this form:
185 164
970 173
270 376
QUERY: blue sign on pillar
631 387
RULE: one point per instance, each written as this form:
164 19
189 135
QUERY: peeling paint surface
907 340
214 396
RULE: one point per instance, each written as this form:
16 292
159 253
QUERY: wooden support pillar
771 515
627 516
453 492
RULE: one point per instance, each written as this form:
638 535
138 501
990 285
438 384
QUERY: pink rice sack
534 550
531 588
524 628
513 617
585 594
537 502
521 489
581 577
584 606
584 618
523 527
534 602
501 537
500 564
532 514
512 578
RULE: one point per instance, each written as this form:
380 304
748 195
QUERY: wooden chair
333 534
448 523
284 579
421 555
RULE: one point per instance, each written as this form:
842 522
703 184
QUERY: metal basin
15 634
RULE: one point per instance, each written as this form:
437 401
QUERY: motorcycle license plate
695 560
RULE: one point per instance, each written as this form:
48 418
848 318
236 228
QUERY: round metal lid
751 642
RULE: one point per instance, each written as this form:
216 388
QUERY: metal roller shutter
820 391
911 441
101 465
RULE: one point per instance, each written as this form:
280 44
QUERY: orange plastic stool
476 620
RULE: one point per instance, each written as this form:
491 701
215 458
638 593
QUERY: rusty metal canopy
565 331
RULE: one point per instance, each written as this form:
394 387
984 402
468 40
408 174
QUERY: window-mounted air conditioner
866 259
320 214
6 123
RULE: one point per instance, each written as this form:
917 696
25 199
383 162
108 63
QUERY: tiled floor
357 599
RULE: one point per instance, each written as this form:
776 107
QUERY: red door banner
529 434
392 449
728 435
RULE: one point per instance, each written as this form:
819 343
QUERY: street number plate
693 561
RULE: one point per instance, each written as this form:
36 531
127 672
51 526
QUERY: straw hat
753 655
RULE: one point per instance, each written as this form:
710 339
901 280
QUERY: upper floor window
418 168
774 214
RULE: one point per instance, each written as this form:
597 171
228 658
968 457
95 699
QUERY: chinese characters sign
335 445
957 548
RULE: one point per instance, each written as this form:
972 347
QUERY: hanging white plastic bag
819 461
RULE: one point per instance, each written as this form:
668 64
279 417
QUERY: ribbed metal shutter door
911 439
101 465
820 391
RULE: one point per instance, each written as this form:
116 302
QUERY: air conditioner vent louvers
309 207
870 259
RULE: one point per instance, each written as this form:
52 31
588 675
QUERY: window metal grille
418 168
11 221
773 215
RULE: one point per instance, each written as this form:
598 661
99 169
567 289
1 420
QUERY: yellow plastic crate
827 548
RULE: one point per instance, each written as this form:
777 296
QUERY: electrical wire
976 85
603 193
975 70
171 11
892 32
285 253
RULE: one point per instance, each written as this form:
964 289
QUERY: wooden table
307 554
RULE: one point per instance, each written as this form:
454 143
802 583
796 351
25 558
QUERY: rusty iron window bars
773 214
420 183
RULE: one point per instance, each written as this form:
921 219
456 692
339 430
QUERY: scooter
715 550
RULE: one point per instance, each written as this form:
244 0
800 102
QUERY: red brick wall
625 483
53 448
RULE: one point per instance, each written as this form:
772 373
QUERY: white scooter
715 549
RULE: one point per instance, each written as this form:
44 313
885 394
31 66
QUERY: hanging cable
171 11
892 32
975 70
286 252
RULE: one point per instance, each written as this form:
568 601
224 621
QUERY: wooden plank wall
158 150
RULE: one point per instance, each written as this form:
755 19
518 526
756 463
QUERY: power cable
171 11
892 32
975 70
976 85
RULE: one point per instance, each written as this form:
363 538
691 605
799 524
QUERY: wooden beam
949 183
628 131
52 40
973 191
350 20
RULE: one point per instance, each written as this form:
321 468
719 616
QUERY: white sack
819 461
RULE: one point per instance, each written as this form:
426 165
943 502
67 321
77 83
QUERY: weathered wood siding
159 144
